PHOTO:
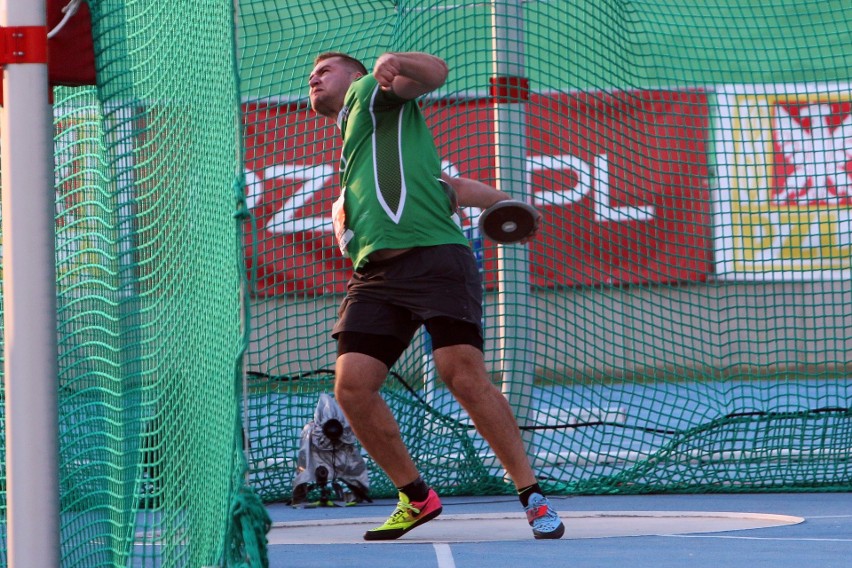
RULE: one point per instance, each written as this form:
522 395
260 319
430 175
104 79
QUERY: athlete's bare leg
358 378
462 368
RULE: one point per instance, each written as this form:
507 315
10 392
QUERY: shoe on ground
543 519
406 516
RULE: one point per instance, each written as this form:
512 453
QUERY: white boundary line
444 555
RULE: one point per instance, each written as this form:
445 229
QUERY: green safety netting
681 323
150 295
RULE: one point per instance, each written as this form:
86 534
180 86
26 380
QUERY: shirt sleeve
372 96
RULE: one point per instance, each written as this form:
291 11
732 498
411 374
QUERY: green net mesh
150 292
681 323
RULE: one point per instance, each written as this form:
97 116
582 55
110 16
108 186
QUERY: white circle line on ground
495 527
781 519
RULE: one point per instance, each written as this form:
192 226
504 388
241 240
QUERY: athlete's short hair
355 64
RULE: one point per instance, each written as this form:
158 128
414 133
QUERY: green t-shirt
392 196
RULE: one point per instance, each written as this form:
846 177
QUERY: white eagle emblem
820 156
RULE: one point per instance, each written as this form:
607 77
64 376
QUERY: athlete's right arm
410 74
474 193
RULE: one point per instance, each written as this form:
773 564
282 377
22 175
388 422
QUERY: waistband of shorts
394 259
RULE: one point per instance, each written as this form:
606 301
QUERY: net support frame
29 290
510 149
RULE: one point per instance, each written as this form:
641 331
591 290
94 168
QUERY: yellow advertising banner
783 206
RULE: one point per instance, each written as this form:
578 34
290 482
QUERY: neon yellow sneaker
408 514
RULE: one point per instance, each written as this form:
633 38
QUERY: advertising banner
621 179
784 197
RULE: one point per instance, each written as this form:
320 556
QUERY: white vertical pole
29 301
509 85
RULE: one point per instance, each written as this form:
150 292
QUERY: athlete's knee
357 378
345 392
462 368
474 390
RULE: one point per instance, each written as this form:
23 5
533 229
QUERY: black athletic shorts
395 297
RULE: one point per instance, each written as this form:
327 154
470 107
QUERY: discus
508 221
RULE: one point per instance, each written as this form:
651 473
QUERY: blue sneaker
543 519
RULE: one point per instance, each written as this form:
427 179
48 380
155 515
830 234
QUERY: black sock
417 490
524 494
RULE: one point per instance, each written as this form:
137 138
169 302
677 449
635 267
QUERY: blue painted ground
823 540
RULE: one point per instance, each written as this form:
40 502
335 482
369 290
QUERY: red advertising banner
291 178
621 179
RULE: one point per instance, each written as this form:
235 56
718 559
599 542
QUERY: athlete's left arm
410 74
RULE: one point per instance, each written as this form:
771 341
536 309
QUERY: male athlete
413 266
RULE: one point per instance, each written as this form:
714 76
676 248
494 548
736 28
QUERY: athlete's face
328 84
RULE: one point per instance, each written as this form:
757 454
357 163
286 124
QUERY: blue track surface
824 540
